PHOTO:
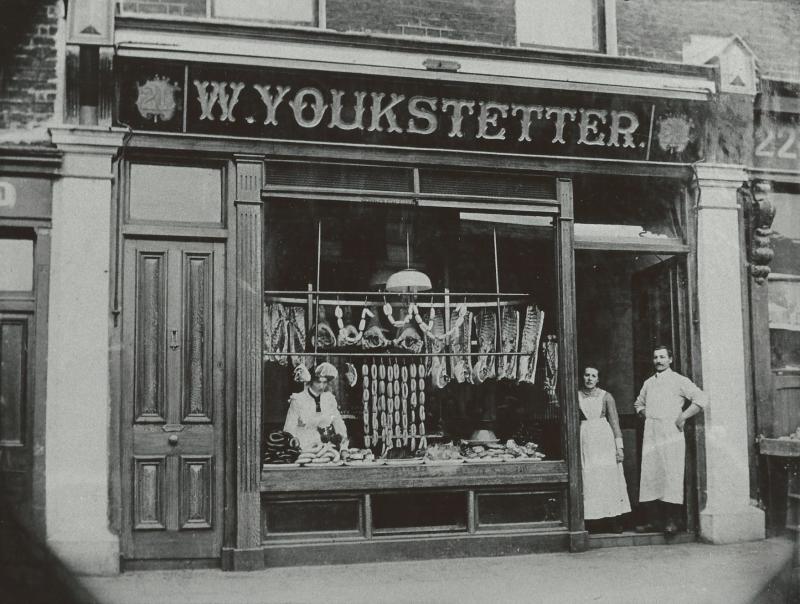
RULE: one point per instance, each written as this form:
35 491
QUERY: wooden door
172 401
659 318
16 414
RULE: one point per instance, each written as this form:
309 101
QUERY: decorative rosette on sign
281 448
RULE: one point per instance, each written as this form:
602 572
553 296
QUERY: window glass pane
559 23
786 240
175 194
301 12
486 22
784 282
618 208
458 396
173 8
16 268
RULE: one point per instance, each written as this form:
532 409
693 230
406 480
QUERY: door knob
173 439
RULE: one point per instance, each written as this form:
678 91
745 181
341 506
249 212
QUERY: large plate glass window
451 374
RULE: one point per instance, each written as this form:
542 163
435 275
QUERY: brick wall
474 20
659 28
28 62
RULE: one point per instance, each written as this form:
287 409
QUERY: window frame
605 30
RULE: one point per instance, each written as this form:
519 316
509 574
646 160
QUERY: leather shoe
646 528
671 528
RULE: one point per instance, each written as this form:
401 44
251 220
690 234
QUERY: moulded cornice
730 176
88 139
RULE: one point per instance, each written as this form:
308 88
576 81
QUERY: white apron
605 493
663 451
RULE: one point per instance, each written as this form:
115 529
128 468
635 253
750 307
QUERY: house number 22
779 142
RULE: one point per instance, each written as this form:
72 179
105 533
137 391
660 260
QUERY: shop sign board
314 106
777 141
25 197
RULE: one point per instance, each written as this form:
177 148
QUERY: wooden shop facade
261 203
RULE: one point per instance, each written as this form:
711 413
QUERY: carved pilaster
249 239
759 214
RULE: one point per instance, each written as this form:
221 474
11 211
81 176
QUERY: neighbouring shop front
774 231
26 202
455 251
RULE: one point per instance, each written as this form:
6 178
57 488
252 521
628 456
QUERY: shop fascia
313 107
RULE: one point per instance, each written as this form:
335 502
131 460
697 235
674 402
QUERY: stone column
78 402
728 515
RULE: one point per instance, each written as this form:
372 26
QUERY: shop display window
784 283
419 377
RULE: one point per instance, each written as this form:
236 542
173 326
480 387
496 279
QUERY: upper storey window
567 24
551 24
286 12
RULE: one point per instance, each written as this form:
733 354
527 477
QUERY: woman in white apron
605 493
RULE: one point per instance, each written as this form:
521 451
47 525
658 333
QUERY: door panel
150 353
172 396
16 453
198 357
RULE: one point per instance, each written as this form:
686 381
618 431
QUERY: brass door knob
173 439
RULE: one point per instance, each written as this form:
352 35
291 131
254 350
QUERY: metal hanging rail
379 294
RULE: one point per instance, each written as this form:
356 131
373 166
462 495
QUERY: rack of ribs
529 345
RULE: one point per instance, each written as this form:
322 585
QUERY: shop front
774 236
449 253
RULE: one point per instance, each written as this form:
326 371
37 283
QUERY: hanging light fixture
408 280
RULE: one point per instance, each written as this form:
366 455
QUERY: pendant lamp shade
408 280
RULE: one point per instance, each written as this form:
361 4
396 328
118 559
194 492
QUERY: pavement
695 572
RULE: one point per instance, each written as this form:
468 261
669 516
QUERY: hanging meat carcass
486 328
529 344
509 343
461 368
276 342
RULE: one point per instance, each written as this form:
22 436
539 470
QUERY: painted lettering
590 120
299 106
206 99
488 115
526 111
218 95
426 113
560 113
458 106
336 111
272 101
623 123
379 112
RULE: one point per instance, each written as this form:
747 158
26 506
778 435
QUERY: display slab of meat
461 367
437 367
486 327
509 333
275 333
297 335
529 344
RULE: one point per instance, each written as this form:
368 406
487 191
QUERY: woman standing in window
605 493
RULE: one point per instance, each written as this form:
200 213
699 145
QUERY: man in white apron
660 403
